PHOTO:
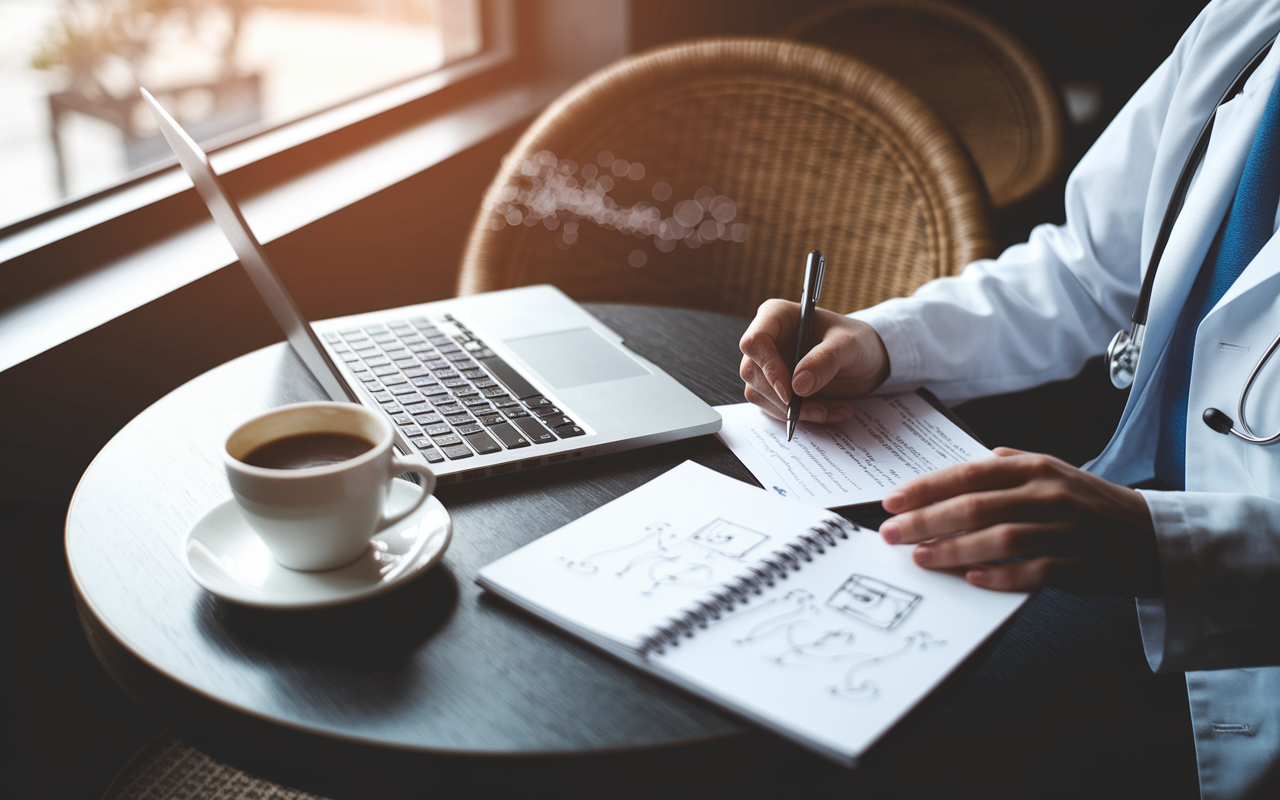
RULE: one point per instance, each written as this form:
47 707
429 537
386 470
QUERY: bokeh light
560 193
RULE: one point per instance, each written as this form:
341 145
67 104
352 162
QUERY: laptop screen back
227 214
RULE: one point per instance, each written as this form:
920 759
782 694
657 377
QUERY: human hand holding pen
848 360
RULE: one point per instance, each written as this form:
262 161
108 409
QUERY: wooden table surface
437 667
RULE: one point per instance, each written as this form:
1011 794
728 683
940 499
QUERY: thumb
817 369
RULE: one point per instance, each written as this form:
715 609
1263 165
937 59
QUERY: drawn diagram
658 536
867 688
727 538
776 614
874 601
667 557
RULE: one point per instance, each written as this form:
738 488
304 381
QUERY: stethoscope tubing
1126 346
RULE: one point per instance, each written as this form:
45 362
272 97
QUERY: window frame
53 265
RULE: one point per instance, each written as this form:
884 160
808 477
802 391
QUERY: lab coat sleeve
1220 563
1043 308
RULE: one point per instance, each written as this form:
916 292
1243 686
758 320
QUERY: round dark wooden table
429 676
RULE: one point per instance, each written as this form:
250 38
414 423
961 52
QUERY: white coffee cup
319 517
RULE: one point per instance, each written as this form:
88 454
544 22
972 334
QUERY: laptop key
387 370
411 430
432 455
535 400
448 439
417 372
457 451
557 421
439 429
545 411
515 413
383 397
505 373
402 389
402 419
534 430
506 401
509 436
568 431
483 443
428 419
489 420
468 428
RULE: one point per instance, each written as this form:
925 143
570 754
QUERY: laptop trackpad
575 358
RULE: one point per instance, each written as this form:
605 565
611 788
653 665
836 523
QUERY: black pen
814 266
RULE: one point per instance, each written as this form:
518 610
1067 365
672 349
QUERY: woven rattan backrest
969 70
766 149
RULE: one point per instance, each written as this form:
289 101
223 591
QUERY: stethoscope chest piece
1122 356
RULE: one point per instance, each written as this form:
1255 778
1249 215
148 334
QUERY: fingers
811 410
996 543
763 367
1010 468
1021 576
972 511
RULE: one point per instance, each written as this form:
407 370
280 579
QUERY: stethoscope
1126 346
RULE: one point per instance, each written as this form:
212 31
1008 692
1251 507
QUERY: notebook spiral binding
738 590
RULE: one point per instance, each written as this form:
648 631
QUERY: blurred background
70 70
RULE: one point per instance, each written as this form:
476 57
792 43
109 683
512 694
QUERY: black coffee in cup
306 450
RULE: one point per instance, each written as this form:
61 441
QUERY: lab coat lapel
1206 206
1201 217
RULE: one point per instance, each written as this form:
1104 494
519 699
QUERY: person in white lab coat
1204 560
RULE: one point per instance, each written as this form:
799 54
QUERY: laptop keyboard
450 395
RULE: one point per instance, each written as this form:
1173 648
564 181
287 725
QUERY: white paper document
889 440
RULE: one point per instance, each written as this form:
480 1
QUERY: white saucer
227 557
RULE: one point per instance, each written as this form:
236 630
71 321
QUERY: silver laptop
479 385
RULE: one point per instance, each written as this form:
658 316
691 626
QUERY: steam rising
558 194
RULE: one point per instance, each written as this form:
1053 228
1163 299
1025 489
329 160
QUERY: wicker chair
970 71
699 175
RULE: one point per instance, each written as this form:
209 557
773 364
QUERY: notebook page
889 441
837 653
629 566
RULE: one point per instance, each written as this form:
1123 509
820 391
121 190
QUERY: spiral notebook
784 614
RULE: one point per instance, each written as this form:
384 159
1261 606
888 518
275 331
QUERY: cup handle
399 465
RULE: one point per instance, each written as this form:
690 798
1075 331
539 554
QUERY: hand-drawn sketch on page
775 615
874 601
666 556
867 688
657 537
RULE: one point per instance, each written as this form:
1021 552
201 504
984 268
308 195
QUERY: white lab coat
1042 308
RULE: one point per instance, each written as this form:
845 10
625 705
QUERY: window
226 68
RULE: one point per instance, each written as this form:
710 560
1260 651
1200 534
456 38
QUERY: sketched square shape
874 601
728 538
